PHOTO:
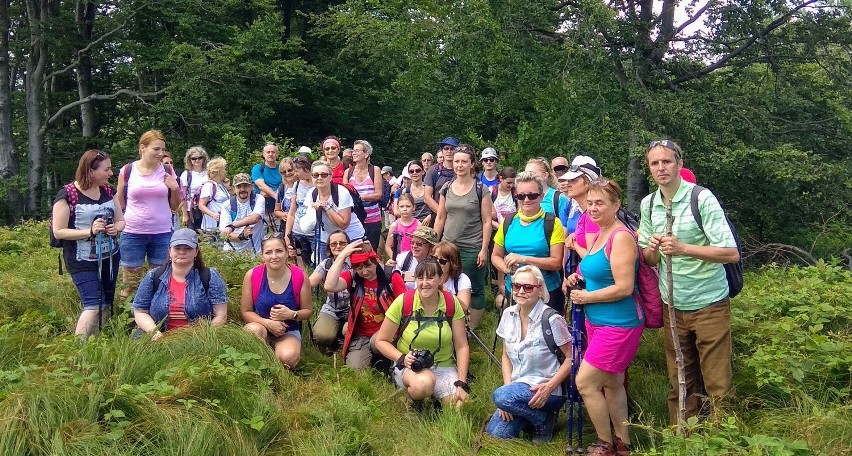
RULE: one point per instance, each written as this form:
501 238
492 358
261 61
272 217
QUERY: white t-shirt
198 179
243 211
215 204
463 281
400 260
344 201
504 205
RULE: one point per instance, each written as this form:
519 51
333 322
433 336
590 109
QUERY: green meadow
204 391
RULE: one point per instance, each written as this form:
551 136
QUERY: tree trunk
85 18
8 156
37 15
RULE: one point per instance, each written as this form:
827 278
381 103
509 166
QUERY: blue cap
449 141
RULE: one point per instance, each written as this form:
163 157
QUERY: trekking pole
575 401
472 334
681 376
98 240
112 276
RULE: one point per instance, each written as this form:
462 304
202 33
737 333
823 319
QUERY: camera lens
416 365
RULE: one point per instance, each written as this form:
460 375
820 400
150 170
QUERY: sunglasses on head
599 182
527 287
320 175
527 196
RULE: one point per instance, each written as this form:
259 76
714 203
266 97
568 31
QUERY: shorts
445 379
272 340
136 247
96 294
611 349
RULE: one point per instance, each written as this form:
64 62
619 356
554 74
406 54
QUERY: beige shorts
445 379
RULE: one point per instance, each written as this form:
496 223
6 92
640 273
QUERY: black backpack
357 202
733 271
547 332
387 195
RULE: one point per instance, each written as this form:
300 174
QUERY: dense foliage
756 91
221 391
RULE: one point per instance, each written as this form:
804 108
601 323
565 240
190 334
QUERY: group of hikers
553 238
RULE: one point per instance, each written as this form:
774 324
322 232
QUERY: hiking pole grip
681 375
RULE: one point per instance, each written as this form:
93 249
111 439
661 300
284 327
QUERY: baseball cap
184 236
305 150
489 152
582 164
387 169
448 141
240 179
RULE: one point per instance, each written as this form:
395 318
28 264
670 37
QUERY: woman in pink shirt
147 192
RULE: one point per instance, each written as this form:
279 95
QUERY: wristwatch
462 385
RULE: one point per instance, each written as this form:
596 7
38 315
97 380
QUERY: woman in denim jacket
175 296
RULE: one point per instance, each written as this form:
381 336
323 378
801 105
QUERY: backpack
297 278
547 332
408 310
733 271
168 168
72 198
646 290
357 202
628 218
387 195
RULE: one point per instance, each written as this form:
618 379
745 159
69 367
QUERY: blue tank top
266 299
623 313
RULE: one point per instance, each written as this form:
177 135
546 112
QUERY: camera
423 359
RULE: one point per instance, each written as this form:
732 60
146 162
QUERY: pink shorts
611 349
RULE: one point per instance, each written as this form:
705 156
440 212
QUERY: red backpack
408 310
647 285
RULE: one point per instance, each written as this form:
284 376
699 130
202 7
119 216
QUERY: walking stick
98 240
681 376
472 334
575 401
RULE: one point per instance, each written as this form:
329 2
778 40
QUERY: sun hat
426 233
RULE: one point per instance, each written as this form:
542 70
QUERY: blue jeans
513 398
135 247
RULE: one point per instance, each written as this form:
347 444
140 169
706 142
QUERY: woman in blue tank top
614 320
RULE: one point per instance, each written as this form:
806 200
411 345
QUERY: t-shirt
285 193
198 179
585 226
529 241
148 210
489 184
82 255
344 201
216 198
547 205
226 217
177 305
697 283
271 177
366 187
403 233
433 335
302 192
436 177
400 263
463 225
372 314
463 282
504 205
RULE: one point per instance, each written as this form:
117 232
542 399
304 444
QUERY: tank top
82 255
464 221
597 271
266 299
404 234
374 212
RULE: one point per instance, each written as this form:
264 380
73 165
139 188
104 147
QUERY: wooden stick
681 376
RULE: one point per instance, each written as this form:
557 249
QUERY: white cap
489 152
305 150
582 164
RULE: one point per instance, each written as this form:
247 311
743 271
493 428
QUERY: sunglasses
320 175
527 196
560 168
527 287
289 170
196 158
415 171
489 159
331 148
441 261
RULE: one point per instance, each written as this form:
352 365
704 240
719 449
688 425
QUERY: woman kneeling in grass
275 299
423 328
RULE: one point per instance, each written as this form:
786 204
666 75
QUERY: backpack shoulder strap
297 278
450 302
651 204
556 196
507 222
188 181
608 245
547 332
406 263
549 221
256 279
71 196
233 204
107 190
693 205
405 317
335 193
204 274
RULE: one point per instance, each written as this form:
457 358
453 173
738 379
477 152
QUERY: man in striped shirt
701 302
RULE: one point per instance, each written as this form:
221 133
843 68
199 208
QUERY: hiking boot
621 448
543 434
601 448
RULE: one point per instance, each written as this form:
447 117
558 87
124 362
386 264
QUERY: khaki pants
705 340
326 330
361 351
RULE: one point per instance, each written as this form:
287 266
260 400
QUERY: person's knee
255 328
421 386
289 358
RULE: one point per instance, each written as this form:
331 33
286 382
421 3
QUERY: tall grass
220 391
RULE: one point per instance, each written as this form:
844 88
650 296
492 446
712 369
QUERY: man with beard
241 216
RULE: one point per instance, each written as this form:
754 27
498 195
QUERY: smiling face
526 291
416 172
428 286
420 248
274 253
359 153
336 243
664 166
243 192
331 150
525 190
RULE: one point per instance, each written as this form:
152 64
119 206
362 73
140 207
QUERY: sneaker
544 433
601 448
621 448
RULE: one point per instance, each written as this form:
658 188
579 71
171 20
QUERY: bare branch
94 96
745 46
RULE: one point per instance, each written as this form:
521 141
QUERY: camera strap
422 324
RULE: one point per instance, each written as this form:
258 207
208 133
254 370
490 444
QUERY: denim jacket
154 298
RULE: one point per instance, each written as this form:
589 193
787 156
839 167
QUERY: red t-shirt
337 173
177 305
372 314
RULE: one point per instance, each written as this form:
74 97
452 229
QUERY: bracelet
462 385
296 315
400 363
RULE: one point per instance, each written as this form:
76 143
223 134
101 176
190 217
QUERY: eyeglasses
288 170
415 171
418 243
338 244
527 196
363 151
448 148
527 287
441 261
560 168
489 159
196 158
320 175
